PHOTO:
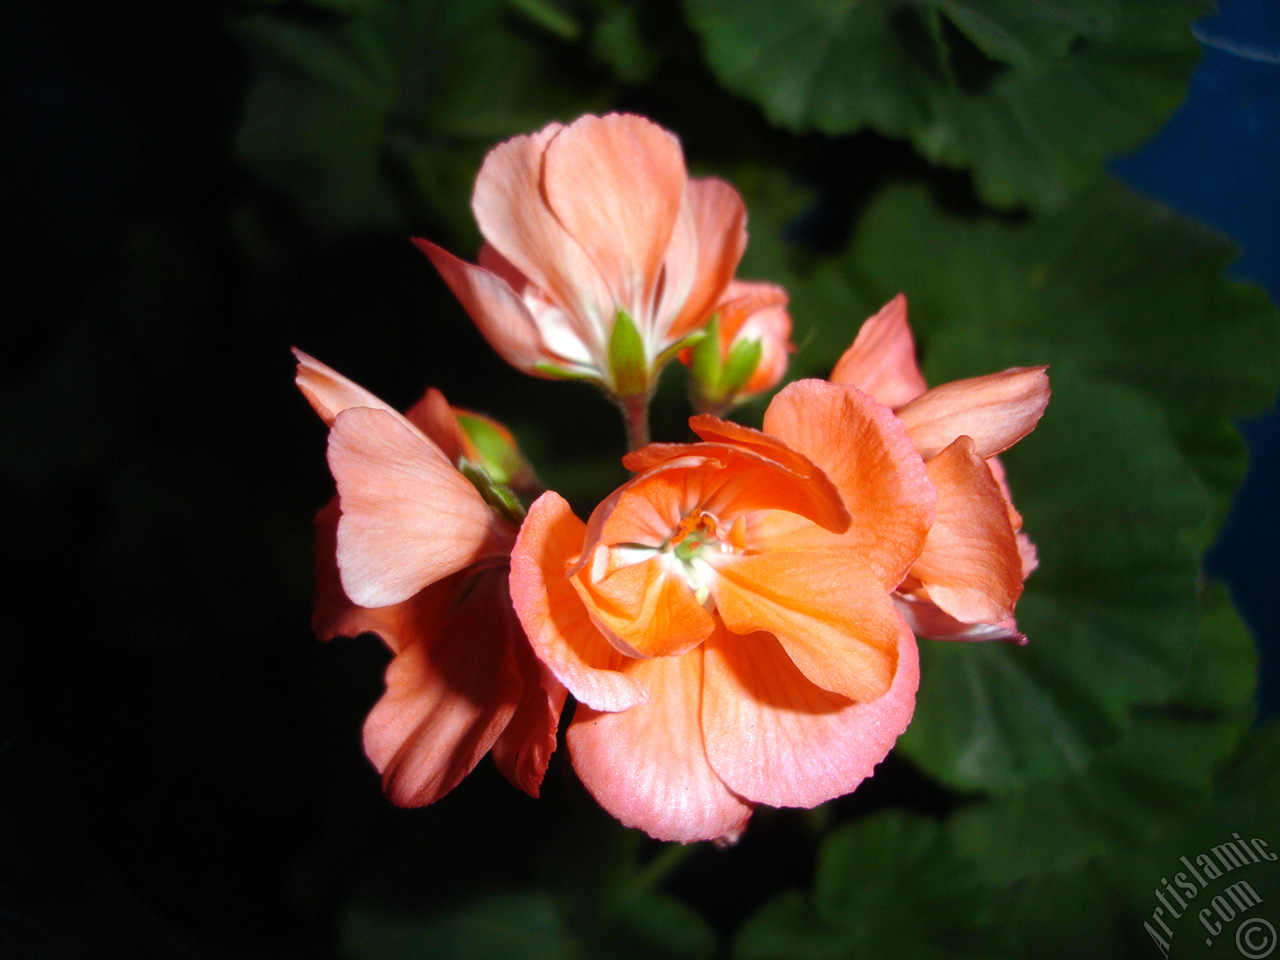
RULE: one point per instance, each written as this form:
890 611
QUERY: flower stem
635 413
662 864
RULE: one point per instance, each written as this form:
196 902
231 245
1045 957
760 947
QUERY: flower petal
720 479
646 609
408 517
616 183
882 359
523 750
496 309
329 392
826 608
970 566
333 614
996 410
512 212
757 311
775 738
926 620
554 618
647 765
450 693
817 496
865 451
436 419
720 220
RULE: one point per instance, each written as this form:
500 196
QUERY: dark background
180 764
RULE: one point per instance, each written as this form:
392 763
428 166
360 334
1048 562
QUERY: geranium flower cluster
737 622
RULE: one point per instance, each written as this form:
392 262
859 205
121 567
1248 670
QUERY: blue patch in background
1218 160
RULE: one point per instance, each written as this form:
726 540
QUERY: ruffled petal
720 220
865 451
498 312
775 738
554 618
616 183
647 765
996 410
882 360
809 491
450 693
646 609
827 610
970 566
717 478
409 517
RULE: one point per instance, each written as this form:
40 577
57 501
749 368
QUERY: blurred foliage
180 766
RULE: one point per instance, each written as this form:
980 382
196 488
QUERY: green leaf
891 886
1031 95
1163 768
618 923
1108 902
1110 613
371 120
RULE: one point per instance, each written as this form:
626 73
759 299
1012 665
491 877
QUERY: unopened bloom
600 253
970 574
414 551
745 350
724 618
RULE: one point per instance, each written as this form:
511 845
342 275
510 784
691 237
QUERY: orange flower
724 618
412 551
968 578
745 352
600 255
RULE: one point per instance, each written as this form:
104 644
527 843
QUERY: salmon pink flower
600 254
968 578
724 618
414 551
745 350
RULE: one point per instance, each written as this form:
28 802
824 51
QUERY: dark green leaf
891 886
1163 767
364 121
1031 96
1110 613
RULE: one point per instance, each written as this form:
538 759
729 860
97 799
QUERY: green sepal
499 456
688 341
498 496
742 363
626 357
705 367
560 373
